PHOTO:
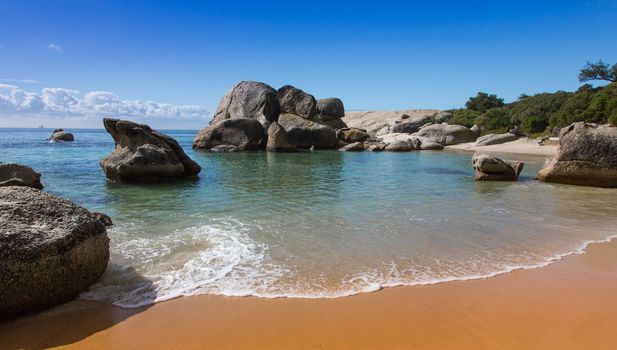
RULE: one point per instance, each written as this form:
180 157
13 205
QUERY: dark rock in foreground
143 154
587 156
244 133
61 135
50 250
278 141
19 175
490 168
305 133
249 99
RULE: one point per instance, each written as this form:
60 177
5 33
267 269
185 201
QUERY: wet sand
570 304
521 146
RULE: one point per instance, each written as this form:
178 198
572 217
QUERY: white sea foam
232 264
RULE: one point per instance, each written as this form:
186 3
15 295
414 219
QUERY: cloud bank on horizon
66 105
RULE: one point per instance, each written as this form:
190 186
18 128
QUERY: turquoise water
312 224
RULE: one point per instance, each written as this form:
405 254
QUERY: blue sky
373 55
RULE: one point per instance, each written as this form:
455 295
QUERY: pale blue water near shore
312 224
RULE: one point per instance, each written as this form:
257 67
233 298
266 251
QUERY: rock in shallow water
61 135
19 175
244 133
50 250
278 141
143 154
489 168
305 133
587 156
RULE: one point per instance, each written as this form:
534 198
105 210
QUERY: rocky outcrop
351 135
447 134
244 133
305 133
295 101
142 154
379 123
50 250
19 175
249 99
330 108
490 168
407 127
587 156
61 135
353 147
278 141
495 139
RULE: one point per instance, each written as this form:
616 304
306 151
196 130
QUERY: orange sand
571 304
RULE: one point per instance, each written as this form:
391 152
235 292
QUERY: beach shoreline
522 146
568 305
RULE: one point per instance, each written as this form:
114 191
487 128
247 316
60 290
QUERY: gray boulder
495 139
305 133
333 123
489 168
447 134
61 135
50 250
142 154
330 108
351 135
353 147
407 127
19 175
430 146
245 133
278 141
399 146
295 101
249 99
103 218
587 156
225 148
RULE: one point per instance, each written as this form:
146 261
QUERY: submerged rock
50 250
305 133
61 135
249 99
19 175
278 141
295 101
587 156
495 139
142 154
489 168
244 133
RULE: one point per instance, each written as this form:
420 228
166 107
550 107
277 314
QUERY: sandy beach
521 146
567 305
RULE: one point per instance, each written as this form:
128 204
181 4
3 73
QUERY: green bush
464 117
496 120
534 124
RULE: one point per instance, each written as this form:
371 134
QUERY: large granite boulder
278 141
408 127
495 139
399 146
330 108
587 156
353 147
447 134
61 135
19 175
142 154
350 135
50 250
245 133
249 99
489 168
305 133
295 101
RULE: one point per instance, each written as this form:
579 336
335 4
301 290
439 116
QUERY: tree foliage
598 71
482 102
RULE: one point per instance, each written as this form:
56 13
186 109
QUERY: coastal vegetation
545 113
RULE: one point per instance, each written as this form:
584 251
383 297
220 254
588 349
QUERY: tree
483 102
598 71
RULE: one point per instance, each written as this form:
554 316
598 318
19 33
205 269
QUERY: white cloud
23 81
55 47
66 103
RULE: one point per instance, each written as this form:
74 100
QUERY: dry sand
570 304
521 146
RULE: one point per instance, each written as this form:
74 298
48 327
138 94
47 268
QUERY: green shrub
464 117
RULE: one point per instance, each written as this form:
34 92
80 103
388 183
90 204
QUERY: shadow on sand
65 324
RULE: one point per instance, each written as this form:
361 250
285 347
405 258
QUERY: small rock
19 175
353 147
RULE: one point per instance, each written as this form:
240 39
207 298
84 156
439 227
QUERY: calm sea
312 224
